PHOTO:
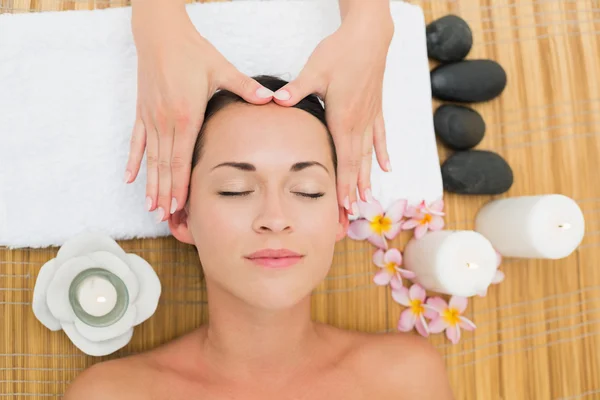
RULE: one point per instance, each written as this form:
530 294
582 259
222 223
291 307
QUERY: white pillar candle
460 263
97 296
548 226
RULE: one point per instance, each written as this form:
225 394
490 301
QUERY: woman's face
265 180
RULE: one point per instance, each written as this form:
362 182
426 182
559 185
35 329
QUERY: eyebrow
299 166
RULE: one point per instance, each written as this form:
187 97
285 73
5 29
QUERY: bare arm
381 7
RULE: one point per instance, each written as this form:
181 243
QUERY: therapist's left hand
346 70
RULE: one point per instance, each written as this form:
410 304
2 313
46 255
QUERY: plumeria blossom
375 225
423 217
449 317
390 273
414 315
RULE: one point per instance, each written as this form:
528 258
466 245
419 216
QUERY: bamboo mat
538 333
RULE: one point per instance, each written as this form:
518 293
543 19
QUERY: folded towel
68 96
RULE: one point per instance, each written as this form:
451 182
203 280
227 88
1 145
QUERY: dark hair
311 104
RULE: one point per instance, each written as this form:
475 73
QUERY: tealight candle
460 263
97 296
547 226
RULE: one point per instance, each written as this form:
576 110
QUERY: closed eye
231 194
310 195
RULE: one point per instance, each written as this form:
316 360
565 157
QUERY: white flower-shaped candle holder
96 292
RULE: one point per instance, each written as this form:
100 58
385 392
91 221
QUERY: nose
272 216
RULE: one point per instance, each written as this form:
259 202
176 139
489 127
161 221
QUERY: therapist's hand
346 70
178 72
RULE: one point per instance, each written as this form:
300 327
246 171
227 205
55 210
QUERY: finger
186 134
364 175
244 86
165 151
151 164
137 146
348 148
305 84
380 143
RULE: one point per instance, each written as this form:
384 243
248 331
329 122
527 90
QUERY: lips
275 258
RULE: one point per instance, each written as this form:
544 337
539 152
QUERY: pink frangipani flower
449 317
414 315
375 225
423 217
390 273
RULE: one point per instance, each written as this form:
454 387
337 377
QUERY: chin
277 298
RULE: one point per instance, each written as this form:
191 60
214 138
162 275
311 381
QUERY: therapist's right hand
178 72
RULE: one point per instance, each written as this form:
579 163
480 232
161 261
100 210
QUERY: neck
247 342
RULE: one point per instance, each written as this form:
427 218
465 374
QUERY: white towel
68 95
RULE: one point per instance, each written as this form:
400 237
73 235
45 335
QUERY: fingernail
127 176
160 215
388 166
347 203
282 95
354 209
369 195
264 93
173 205
148 203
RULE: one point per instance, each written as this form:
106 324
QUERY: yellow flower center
416 306
426 219
451 315
391 268
381 224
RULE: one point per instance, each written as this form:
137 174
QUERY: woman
179 70
264 217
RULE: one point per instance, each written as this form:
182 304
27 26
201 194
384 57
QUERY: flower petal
377 241
417 292
400 296
370 210
96 349
359 229
437 303
150 288
430 312
436 223
498 277
382 277
393 256
437 207
100 334
120 268
421 326
396 283
453 333
39 302
396 210
406 273
88 242
466 324
57 296
407 320
411 211
437 325
393 231
420 231
460 303
410 224
379 259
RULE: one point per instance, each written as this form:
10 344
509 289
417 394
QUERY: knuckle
152 160
179 163
164 165
352 163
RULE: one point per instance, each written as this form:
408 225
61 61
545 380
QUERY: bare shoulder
127 378
402 366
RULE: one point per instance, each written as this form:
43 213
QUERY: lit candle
548 226
459 263
97 296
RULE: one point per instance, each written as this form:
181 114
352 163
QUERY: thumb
245 87
305 84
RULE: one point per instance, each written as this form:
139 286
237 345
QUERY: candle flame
101 299
565 225
472 265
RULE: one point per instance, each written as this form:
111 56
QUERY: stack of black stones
459 82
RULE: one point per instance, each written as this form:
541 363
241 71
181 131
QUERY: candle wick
565 226
472 265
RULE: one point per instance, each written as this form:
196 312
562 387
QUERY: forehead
246 132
